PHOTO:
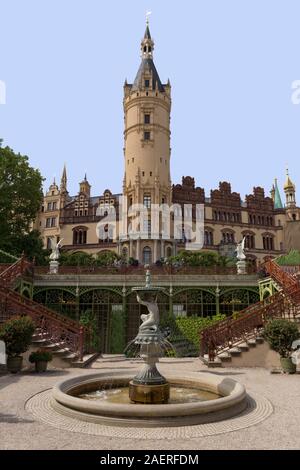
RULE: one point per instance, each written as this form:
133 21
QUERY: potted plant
17 335
40 358
280 335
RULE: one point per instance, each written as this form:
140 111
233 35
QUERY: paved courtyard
280 429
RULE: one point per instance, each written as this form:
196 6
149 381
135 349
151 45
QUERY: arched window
147 255
228 236
168 252
208 237
79 236
249 240
268 242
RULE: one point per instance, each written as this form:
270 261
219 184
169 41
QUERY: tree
20 200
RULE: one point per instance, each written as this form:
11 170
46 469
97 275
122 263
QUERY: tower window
146 118
147 135
150 173
147 83
147 200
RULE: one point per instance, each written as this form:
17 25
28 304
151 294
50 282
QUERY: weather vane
148 13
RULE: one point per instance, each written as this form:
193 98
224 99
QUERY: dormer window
147 83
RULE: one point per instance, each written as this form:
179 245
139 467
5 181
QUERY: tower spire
147 44
64 180
277 198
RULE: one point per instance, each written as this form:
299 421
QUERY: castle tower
147 180
85 187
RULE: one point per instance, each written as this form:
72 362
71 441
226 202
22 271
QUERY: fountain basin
231 401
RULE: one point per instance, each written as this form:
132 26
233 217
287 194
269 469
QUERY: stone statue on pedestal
240 254
54 257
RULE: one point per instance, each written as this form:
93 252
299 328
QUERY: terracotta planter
287 365
41 366
14 364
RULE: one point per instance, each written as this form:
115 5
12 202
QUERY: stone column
138 249
130 247
155 251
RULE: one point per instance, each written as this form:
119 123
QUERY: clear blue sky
231 64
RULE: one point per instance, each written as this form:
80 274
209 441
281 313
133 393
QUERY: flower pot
287 365
14 364
41 366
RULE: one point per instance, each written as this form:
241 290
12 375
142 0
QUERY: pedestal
54 267
241 267
149 394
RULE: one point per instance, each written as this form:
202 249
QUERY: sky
231 64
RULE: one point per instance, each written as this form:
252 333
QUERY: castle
269 227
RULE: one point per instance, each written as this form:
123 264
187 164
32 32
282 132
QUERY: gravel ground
20 430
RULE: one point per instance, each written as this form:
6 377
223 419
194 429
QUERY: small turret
290 192
85 187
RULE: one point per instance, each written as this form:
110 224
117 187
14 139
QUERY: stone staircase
223 343
66 339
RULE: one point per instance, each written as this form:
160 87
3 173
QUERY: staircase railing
51 325
286 280
225 333
13 271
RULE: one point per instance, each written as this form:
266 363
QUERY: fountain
149 386
148 398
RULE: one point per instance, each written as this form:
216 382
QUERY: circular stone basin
121 395
229 399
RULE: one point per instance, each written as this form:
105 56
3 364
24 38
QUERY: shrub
191 327
280 335
89 320
107 258
40 355
17 334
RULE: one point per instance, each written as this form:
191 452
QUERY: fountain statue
149 386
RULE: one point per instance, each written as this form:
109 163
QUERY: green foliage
20 199
76 259
17 334
40 355
187 330
291 259
107 258
31 245
280 335
191 327
200 258
117 338
89 320
7 258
